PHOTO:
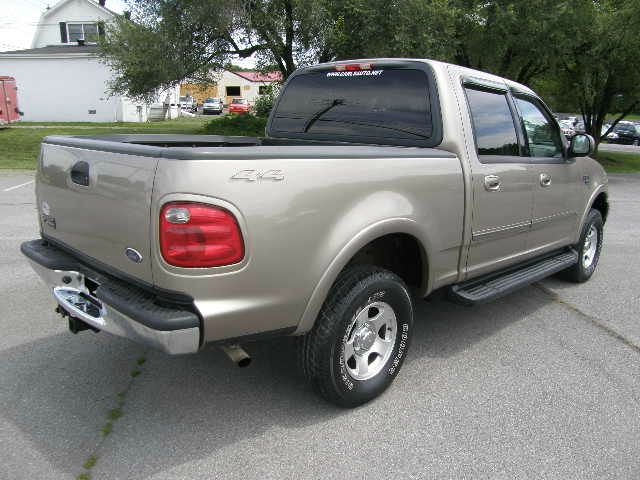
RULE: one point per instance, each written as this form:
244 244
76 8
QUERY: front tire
588 248
361 336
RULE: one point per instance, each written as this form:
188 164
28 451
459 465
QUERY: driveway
614 147
540 384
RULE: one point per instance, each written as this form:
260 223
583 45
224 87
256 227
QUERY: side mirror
582 145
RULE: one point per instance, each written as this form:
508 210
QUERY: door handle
492 183
545 180
80 174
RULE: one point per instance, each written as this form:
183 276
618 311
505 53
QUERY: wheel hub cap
370 340
363 339
590 247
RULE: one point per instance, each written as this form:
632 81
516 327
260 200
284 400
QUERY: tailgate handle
80 174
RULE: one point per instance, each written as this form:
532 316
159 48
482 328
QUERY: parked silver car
212 105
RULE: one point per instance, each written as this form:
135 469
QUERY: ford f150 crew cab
379 181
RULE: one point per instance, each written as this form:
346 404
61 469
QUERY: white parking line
18 186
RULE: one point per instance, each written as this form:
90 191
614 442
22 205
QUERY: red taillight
197 235
353 67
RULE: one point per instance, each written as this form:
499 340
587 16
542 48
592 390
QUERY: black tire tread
312 347
576 273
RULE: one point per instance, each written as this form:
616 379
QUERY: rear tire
588 248
360 338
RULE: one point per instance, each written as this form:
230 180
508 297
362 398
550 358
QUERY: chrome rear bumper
72 293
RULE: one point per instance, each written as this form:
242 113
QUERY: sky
19 18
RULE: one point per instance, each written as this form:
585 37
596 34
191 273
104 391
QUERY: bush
244 125
265 102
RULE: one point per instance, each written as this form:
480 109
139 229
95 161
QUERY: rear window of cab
376 106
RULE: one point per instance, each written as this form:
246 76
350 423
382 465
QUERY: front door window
542 136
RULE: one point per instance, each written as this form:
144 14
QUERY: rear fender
348 251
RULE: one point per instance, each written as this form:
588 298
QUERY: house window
263 89
82 31
233 91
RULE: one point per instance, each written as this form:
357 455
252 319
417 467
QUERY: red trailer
9 111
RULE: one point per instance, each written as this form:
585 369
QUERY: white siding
65 89
80 11
59 89
62 89
129 111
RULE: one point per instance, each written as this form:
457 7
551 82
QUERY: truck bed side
330 202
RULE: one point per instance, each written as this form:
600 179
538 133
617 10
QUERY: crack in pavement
113 415
592 319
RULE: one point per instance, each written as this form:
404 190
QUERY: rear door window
492 123
377 106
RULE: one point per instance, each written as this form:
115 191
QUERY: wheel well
399 253
601 203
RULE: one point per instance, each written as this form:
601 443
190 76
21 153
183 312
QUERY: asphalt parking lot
544 383
615 147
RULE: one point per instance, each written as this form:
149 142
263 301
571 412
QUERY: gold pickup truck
378 182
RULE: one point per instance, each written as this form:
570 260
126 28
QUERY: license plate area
79 303
91 286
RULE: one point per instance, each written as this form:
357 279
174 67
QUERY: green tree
514 38
598 72
162 42
582 54
517 39
389 28
265 102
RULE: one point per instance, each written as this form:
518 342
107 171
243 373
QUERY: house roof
56 50
254 76
63 2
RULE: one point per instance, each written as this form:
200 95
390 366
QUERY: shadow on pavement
443 329
57 391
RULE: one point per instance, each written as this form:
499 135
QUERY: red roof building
259 77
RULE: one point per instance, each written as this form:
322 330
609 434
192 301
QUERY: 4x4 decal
255 175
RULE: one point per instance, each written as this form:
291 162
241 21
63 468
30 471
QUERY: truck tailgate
98 203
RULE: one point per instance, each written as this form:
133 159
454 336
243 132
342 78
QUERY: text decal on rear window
356 73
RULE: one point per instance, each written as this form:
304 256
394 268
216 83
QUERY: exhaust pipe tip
245 362
237 355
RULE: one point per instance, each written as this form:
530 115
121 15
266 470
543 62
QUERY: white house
69 21
61 77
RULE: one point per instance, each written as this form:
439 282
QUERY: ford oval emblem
133 255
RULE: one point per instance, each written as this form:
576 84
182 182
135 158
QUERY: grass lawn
628 117
619 162
181 122
19 145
